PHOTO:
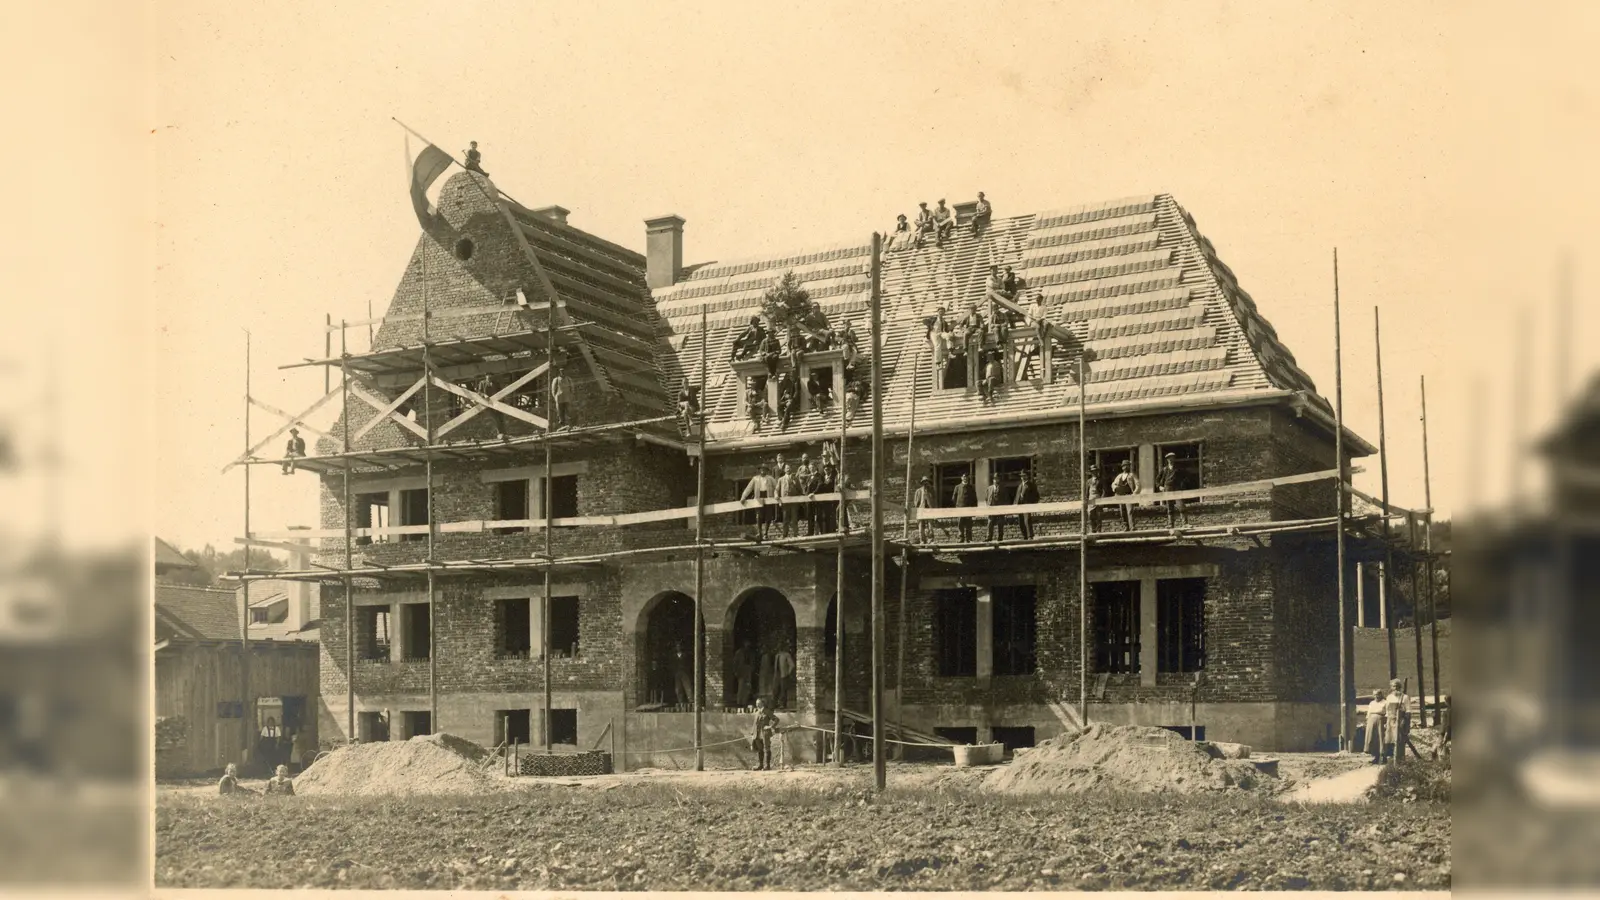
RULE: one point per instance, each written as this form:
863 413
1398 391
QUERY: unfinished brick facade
1176 357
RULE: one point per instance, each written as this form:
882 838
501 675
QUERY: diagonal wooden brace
389 411
496 405
293 421
501 394
382 405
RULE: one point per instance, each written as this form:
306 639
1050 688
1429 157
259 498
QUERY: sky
258 184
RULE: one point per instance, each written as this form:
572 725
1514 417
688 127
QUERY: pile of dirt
1125 758
429 764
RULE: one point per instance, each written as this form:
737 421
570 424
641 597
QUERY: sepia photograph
535 447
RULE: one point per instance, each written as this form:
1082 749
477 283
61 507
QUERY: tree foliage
787 301
213 565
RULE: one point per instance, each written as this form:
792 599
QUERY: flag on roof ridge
425 170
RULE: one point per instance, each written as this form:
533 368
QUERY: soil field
810 829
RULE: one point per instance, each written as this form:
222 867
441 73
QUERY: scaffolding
529 353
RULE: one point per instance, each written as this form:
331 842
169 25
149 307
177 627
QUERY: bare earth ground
812 828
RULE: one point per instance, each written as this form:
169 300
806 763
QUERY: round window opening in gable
464 248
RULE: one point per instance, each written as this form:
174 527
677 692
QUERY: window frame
955 626
1104 619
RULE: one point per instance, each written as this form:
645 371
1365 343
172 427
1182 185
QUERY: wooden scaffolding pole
839 527
876 303
1388 532
247 715
700 553
1083 548
905 566
551 422
1412 535
433 529
349 546
1427 545
1346 661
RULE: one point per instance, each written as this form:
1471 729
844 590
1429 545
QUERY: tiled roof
195 612
167 557
1132 280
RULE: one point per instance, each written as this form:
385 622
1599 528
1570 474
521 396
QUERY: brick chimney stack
663 250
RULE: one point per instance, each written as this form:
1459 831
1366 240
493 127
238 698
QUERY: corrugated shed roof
195 612
1132 280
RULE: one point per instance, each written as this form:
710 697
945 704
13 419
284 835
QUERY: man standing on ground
1027 492
766 725
1126 484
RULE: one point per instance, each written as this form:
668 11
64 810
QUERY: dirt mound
430 764
1125 758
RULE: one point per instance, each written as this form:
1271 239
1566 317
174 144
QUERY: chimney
299 591
556 214
663 240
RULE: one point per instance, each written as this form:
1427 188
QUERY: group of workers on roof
954 340
758 341
938 223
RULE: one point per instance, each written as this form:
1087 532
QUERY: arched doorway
763 634
666 666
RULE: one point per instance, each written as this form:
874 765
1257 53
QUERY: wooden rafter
293 421
391 411
501 394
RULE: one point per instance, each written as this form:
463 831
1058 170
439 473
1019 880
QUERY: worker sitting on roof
821 394
771 353
1010 284
1126 484
295 449
976 328
996 283
749 341
853 392
944 222
980 214
788 398
794 344
992 377
900 237
688 406
924 223
474 159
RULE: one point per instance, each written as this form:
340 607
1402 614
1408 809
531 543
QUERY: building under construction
508 559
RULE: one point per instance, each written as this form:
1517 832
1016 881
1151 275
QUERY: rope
885 740
797 727
683 749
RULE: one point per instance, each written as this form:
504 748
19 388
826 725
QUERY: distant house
207 713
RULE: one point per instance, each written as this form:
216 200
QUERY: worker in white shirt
1125 484
762 489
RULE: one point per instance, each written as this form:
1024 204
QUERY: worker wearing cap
1166 483
965 495
295 449
1397 721
1027 492
1124 485
944 222
993 498
1091 491
923 499
981 214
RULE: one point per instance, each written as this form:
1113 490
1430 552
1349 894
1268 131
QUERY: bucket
978 754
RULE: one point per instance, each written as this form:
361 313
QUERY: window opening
563 627
1116 626
1181 624
513 631
563 726
374 638
955 632
511 502
1015 629
414 619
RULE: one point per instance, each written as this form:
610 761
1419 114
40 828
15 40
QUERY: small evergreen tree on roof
787 301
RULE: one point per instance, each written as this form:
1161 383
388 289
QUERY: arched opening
761 660
666 666
464 248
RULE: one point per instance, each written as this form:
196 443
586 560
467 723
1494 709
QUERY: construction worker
788 398
486 387
688 406
295 449
1091 490
280 782
1166 483
771 353
1397 721
995 281
805 476
921 500
558 398
924 223
765 726
1010 284
762 488
789 488
1027 492
825 512
1373 742
992 378
474 159
682 679
783 671
944 222
900 237
749 341
1126 484
965 495
744 675
755 401
821 394
992 499
981 214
